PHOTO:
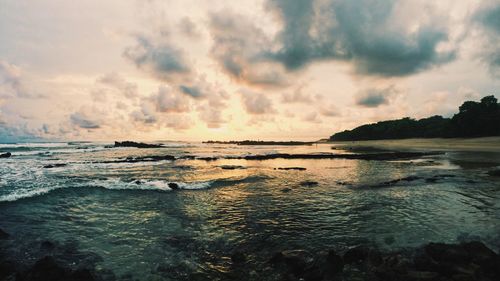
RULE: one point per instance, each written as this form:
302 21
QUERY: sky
221 70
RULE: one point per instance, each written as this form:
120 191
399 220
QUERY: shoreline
485 144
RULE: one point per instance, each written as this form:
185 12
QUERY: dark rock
46 269
286 189
296 260
173 185
335 263
356 254
421 276
478 252
7 268
4 235
55 165
232 167
138 182
309 183
293 168
136 144
47 246
447 252
238 257
82 275
5 155
494 173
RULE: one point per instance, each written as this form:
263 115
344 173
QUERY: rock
309 183
238 257
173 185
46 269
4 235
55 165
296 260
81 275
286 189
5 155
447 252
232 167
136 144
335 263
478 252
7 268
356 254
47 246
292 168
421 276
494 173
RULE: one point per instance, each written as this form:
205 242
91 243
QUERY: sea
135 216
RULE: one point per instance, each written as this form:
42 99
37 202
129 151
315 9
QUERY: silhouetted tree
474 119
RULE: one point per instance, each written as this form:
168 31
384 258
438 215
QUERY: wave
111 184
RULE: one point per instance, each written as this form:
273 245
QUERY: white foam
25 193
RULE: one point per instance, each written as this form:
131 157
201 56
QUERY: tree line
474 119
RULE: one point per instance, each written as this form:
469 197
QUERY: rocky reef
136 144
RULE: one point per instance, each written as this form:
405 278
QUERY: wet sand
488 144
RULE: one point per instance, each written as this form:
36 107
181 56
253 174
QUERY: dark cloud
157 56
239 46
83 121
375 97
193 92
356 31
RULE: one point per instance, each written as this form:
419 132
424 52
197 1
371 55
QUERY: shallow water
127 214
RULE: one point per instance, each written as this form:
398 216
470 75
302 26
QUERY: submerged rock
4 235
308 183
55 165
5 155
232 167
238 257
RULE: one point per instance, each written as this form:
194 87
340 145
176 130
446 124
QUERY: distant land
474 120
253 142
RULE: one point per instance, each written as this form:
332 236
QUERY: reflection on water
129 215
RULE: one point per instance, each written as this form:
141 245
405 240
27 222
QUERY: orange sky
272 69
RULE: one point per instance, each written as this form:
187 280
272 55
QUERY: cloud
158 56
187 27
145 115
375 97
297 96
329 110
83 121
192 91
12 84
238 47
358 31
489 18
119 83
312 117
167 100
256 103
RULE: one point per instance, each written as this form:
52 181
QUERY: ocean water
125 219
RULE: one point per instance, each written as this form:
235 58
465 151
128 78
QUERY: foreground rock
494 173
136 144
3 235
5 155
434 261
